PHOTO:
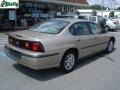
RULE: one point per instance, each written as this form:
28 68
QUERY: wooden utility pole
102 7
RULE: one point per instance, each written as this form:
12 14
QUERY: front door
101 40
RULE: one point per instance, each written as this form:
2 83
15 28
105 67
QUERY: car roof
71 20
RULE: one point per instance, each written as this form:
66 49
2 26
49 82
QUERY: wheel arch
75 50
113 39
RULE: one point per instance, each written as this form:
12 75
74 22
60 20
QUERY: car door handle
78 40
95 37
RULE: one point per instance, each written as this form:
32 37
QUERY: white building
106 13
87 12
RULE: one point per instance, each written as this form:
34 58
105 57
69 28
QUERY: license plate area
14 54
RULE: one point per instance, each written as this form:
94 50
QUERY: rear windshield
92 19
64 16
50 27
82 17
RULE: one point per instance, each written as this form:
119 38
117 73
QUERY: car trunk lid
30 35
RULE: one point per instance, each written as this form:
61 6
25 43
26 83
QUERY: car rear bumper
117 27
33 61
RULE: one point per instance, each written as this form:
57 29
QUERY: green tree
111 14
94 7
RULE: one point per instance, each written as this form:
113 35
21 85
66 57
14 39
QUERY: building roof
78 1
85 10
67 2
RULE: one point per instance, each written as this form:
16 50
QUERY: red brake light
10 40
115 22
37 47
27 45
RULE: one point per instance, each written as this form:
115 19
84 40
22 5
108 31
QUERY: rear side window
80 28
95 28
50 27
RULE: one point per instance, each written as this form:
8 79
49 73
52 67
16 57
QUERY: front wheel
68 62
110 46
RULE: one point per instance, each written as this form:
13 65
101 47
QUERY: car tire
107 28
110 46
68 62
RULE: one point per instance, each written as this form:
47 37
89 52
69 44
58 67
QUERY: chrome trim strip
93 45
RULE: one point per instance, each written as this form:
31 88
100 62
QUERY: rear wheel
110 46
68 62
107 28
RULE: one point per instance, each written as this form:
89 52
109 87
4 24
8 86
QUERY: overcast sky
106 2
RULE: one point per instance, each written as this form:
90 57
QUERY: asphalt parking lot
100 72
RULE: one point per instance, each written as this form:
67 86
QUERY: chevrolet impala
58 43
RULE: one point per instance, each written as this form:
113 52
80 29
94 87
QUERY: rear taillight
115 22
33 46
37 47
10 39
28 45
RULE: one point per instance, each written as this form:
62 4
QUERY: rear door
85 39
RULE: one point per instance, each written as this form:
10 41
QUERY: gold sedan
58 43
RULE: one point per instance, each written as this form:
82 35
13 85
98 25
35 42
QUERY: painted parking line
2 54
